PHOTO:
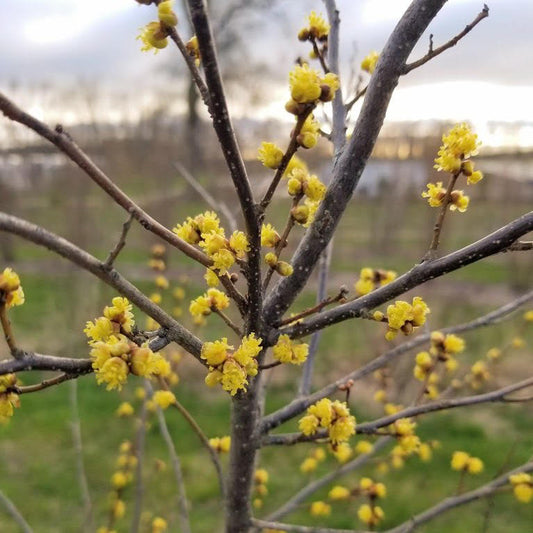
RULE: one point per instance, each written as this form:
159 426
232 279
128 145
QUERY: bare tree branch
268 524
416 410
175 331
75 425
230 149
485 247
64 142
301 404
350 164
113 254
15 513
452 42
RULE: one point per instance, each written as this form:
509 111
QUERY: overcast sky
488 76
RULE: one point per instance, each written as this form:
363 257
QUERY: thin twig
520 246
211 202
316 308
45 383
292 528
88 519
359 94
195 73
203 439
8 332
446 201
176 465
15 513
452 42
229 323
140 444
113 254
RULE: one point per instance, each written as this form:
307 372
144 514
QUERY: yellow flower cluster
308 136
371 489
8 398
205 230
462 461
370 279
369 514
154 35
436 193
458 145
114 355
269 236
445 347
270 155
403 316
301 183
342 452
231 370
339 493
287 351
11 293
212 300
317 28
220 444
404 430
369 62
307 87
522 486
194 50
528 316
333 416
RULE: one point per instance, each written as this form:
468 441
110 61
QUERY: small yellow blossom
125 409
403 316
120 312
522 486
287 351
270 155
317 28
308 136
364 446
11 292
215 353
153 36
369 62
528 316
269 236
342 452
220 444
239 244
518 342
193 49
304 84
308 465
159 525
165 13
370 515
320 508
164 398
234 377
462 461
338 492
435 194
457 145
